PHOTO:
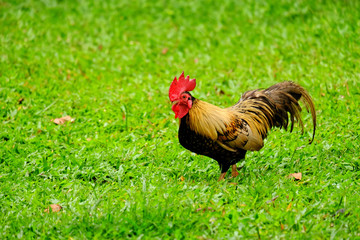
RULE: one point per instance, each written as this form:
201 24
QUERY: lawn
118 170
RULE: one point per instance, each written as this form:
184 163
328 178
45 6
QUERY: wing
232 128
241 133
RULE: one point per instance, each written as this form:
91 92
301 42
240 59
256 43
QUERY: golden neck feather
207 119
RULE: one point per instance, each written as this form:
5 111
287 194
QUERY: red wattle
180 110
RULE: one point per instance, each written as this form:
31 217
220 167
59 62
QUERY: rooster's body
227 134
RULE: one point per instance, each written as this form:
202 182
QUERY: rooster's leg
234 172
222 176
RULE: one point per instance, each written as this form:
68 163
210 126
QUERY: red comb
179 86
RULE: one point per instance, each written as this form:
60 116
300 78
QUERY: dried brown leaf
202 238
62 120
54 208
297 176
205 209
289 207
164 51
272 200
282 226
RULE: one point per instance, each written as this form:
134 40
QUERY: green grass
117 170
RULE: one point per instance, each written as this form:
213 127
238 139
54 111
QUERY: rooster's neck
207 119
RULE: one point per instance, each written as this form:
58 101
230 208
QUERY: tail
273 106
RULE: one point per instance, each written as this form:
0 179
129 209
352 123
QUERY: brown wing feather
242 134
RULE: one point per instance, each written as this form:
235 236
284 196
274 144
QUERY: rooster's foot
222 176
234 172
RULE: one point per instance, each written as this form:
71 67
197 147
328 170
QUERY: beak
189 104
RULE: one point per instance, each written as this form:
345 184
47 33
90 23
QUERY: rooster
227 134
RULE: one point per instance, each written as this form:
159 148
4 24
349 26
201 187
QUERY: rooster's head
180 96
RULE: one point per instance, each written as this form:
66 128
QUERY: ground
117 169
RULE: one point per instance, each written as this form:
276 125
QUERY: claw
222 176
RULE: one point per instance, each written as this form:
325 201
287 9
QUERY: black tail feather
275 105
286 96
